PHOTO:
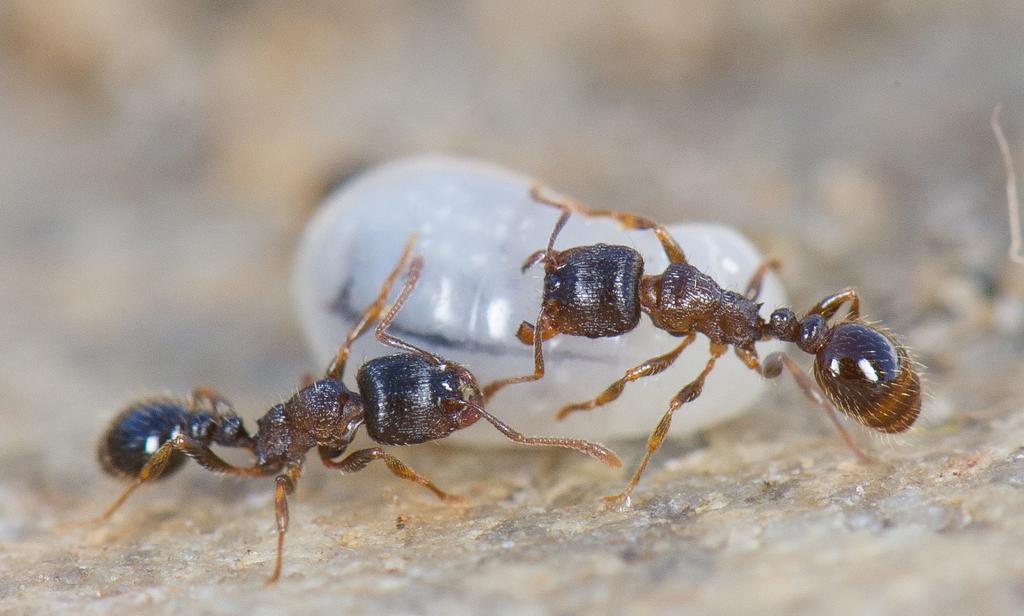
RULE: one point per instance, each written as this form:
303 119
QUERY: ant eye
553 282
870 377
138 432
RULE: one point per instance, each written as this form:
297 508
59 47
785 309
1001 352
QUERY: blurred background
158 161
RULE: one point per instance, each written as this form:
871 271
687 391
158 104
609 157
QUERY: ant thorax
684 299
323 414
476 223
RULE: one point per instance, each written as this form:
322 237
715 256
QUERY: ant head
138 432
867 374
409 398
593 291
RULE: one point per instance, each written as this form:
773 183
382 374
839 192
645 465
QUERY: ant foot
455 499
618 502
567 410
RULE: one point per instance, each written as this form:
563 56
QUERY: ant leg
559 224
534 258
754 286
381 333
307 379
595 450
749 358
654 365
657 437
549 252
210 396
204 457
831 304
153 469
547 332
193 448
337 368
283 486
773 365
629 221
359 460
538 355
535 194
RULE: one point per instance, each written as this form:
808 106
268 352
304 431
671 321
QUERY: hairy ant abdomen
869 376
592 290
138 432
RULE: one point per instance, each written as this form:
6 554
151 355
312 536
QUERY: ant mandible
402 399
600 290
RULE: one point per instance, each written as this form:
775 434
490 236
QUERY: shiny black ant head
409 398
138 432
866 373
593 291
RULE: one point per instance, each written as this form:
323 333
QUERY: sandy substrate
157 166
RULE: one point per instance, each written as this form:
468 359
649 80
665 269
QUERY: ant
411 397
600 291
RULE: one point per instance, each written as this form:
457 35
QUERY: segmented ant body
601 290
411 397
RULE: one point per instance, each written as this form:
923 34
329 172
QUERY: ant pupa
406 398
475 222
602 290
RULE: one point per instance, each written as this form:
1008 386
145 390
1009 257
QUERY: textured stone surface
159 162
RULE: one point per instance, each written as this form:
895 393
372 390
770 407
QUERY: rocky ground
158 163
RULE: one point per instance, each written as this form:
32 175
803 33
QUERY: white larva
476 225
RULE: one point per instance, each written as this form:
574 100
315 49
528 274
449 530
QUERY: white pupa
476 224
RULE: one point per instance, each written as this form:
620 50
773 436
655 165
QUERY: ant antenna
594 450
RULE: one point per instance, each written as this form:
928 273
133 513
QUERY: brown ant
600 290
402 399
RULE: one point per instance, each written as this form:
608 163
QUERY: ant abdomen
870 376
592 291
138 432
419 387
